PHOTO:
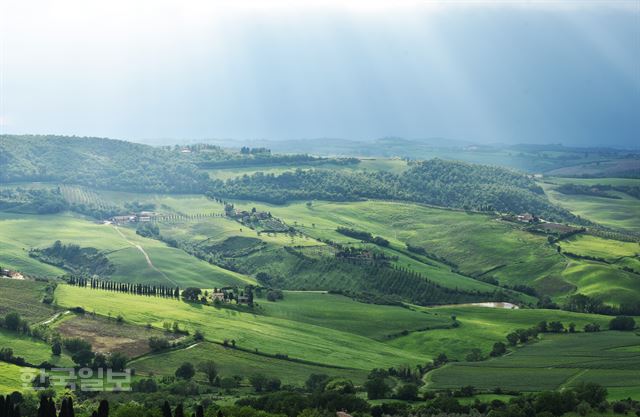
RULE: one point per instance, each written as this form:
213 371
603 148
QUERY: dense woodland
99 163
119 165
437 182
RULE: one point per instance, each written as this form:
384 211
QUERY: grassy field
343 314
555 362
477 243
169 266
24 297
9 378
32 350
608 249
371 164
633 182
231 362
612 285
605 278
622 213
481 327
251 331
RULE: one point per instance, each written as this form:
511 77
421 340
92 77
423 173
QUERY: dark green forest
436 182
118 165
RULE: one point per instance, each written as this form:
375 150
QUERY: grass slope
622 213
9 378
32 350
231 362
25 298
268 334
481 327
172 266
343 314
477 243
555 362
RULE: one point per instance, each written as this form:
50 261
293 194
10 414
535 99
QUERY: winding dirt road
146 256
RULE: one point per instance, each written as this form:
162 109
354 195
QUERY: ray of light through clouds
500 71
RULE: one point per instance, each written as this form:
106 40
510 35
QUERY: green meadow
124 248
554 362
9 378
607 249
32 350
481 327
622 213
612 285
251 331
395 165
343 314
479 244
231 362
24 297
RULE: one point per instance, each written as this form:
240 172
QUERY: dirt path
572 378
55 316
146 256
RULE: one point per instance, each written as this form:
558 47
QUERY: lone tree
185 371
210 370
499 349
624 323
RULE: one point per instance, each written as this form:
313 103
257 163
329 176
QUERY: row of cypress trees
7 408
139 289
47 408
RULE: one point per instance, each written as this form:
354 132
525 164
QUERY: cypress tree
70 407
64 409
103 409
51 408
166 410
43 409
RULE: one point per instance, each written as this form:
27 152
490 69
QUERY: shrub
185 371
158 343
624 323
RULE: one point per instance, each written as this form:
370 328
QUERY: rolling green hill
270 335
555 362
126 250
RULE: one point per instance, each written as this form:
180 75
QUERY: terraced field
557 361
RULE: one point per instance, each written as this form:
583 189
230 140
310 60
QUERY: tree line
125 287
437 182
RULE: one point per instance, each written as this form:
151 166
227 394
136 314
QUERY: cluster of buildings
7 273
143 216
527 218
226 295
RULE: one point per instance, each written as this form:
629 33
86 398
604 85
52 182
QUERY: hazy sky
501 71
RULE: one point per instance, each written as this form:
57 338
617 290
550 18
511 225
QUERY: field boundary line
572 378
146 256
